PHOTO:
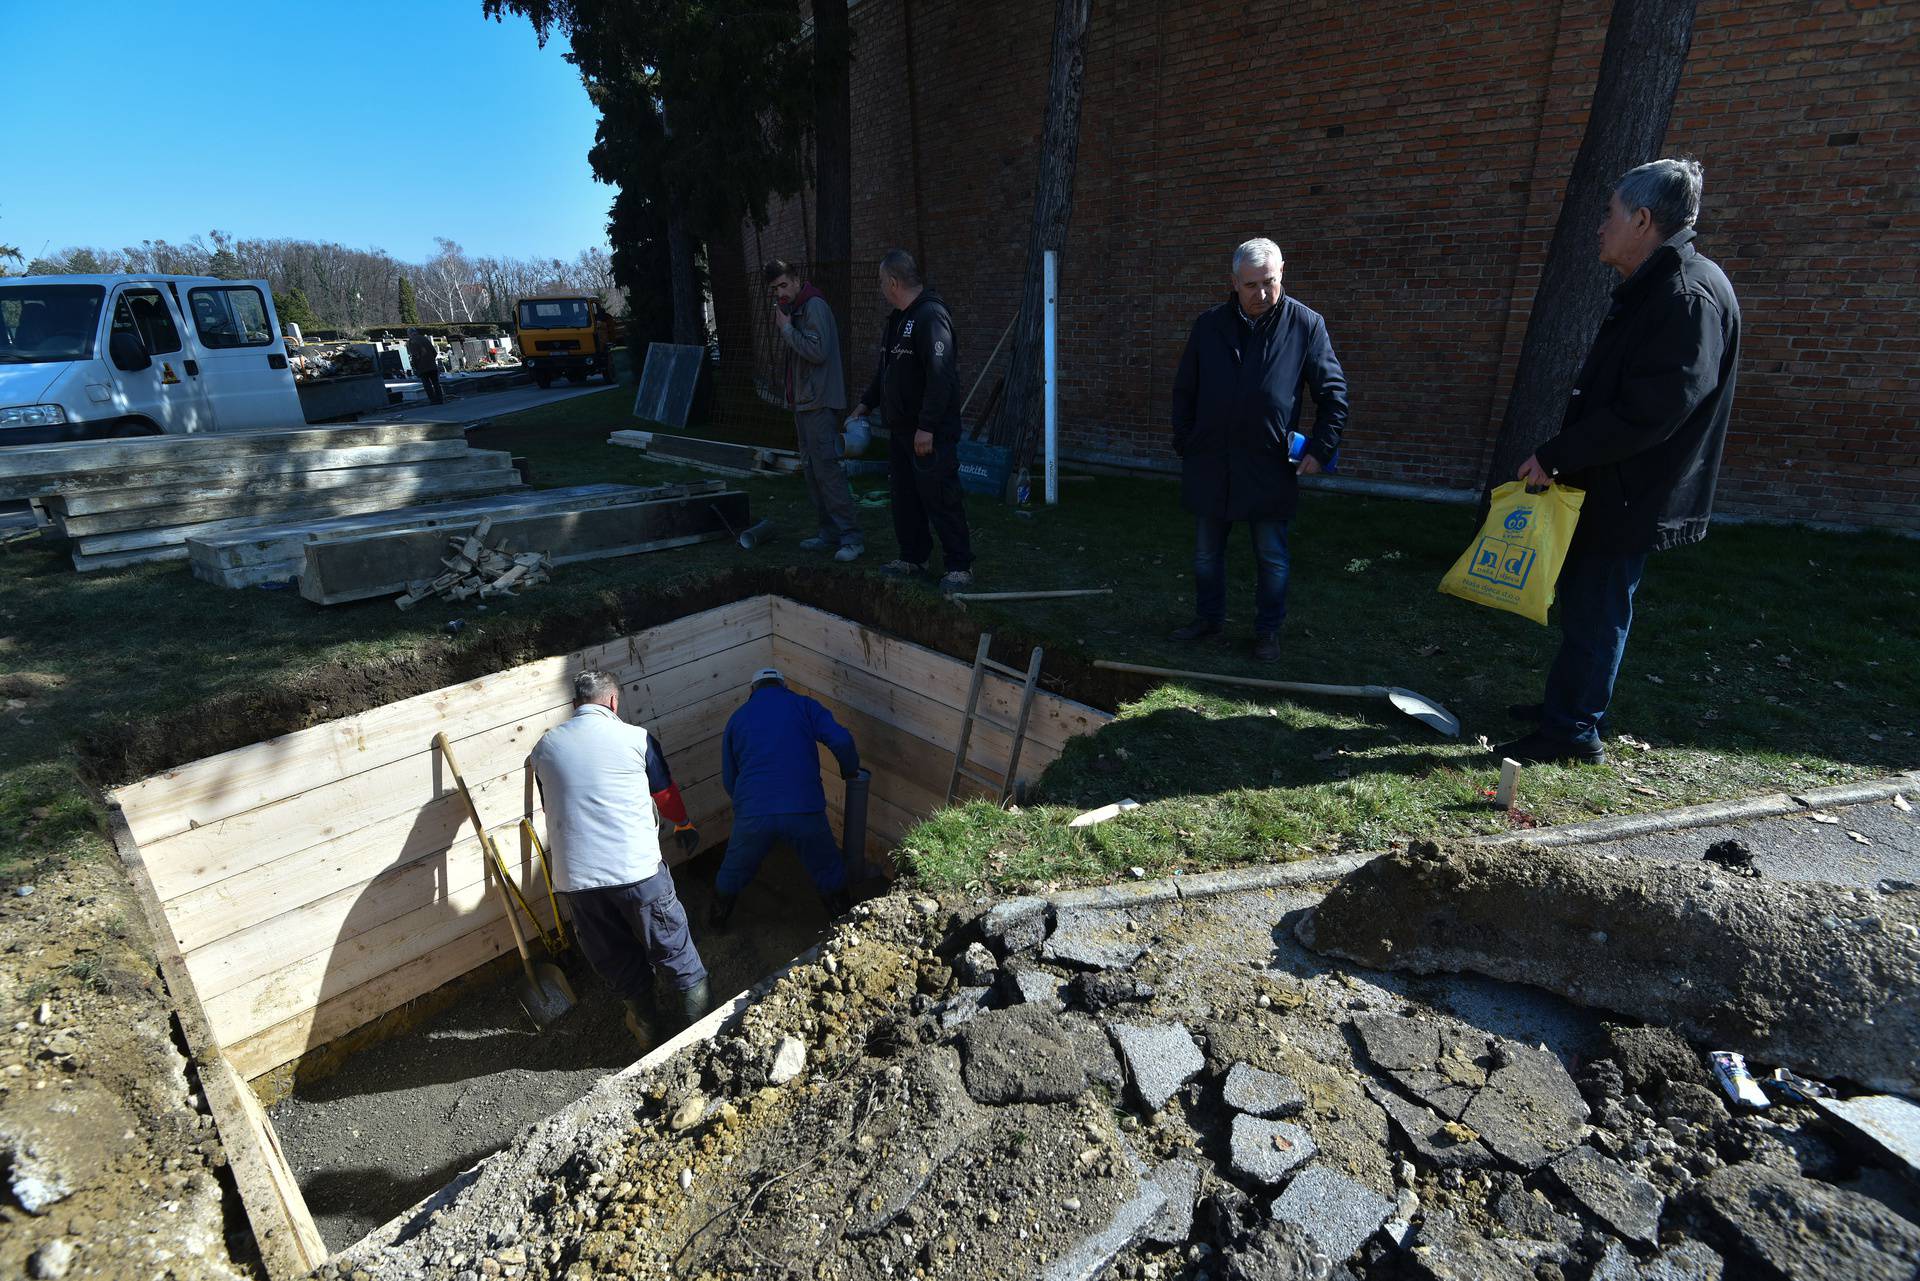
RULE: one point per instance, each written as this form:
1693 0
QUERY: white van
85 357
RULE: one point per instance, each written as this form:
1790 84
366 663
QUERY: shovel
544 992
1418 706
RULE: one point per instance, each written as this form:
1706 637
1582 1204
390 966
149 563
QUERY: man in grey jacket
815 389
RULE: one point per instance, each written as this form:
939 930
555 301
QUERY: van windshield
44 323
548 313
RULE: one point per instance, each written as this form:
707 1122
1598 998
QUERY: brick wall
1409 158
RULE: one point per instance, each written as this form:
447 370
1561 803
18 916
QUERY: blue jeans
754 836
1210 571
1596 612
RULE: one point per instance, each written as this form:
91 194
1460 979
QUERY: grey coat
813 375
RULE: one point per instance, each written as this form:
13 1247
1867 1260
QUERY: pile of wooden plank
476 569
142 498
725 457
352 566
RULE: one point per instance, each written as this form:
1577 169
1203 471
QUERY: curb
1712 814
1305 871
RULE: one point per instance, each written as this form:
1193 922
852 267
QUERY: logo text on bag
1498 561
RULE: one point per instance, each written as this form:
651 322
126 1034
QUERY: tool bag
1516 560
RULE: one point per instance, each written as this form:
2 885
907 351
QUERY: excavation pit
318 892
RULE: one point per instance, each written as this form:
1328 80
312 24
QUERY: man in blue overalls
770 766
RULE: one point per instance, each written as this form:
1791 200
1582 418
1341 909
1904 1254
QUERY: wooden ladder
1028 681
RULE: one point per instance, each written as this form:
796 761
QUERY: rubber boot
839 903
694 1002
720 911
641 1019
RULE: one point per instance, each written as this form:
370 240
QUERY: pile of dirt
1175 1090
110 1165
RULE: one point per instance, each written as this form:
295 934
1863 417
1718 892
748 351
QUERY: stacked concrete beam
141 499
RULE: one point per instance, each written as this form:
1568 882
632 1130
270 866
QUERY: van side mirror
128 353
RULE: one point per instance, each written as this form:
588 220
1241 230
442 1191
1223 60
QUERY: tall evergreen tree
409 305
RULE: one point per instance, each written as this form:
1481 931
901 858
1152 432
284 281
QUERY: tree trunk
681 251
1647 43
833 165
1017 425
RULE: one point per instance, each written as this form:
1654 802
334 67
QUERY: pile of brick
475 569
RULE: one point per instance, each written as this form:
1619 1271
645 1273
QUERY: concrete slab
1336 1212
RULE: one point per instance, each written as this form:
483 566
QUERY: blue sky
377 125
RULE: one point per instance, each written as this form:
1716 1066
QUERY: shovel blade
1425 710
546 996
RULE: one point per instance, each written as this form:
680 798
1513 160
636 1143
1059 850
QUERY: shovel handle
491 850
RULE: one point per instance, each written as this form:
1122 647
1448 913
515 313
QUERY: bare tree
1646 49
1017 422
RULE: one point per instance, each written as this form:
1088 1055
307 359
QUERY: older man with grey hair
610 800
1642 436
1237 397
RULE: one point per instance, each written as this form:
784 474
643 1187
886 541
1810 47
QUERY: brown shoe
1266 647
1198 629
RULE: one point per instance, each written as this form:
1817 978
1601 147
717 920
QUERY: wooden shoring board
321 926
88 502
247 870
283 1229
221 469
493 479
313 1027
375 491
216 787
904 708
1054 719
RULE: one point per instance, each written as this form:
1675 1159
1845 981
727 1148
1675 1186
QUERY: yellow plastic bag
1515 562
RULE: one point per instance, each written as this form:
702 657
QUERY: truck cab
566 336
89 357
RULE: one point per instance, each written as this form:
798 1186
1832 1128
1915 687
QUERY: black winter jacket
917 386
1235 398
1647 423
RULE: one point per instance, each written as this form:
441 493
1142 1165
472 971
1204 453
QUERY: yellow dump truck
565 336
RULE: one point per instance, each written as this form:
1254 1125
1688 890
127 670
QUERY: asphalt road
1795 847
489 404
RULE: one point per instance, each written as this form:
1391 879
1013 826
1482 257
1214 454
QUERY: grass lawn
1764 659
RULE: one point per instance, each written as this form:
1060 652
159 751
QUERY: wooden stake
1077 591
1509 782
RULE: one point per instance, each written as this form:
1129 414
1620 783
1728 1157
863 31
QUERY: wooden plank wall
315 881
904 704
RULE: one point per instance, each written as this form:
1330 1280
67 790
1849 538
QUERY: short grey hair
1669 190
898 266
593 686
1257 252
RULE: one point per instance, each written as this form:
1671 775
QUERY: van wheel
545 381
131 431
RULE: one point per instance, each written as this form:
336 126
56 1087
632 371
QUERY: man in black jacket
1642 436
1236 403
917 389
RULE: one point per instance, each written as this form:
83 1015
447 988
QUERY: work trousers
753 837
1595 593
1210 571
626 930
927 501
430 381
819 433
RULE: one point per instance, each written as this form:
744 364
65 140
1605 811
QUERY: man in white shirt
608 794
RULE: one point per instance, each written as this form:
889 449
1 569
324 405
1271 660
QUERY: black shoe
1527 713
694 1002
1266 648
838 904
720 911
1538 749
1198 629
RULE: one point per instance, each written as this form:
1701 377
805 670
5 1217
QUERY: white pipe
1050 267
